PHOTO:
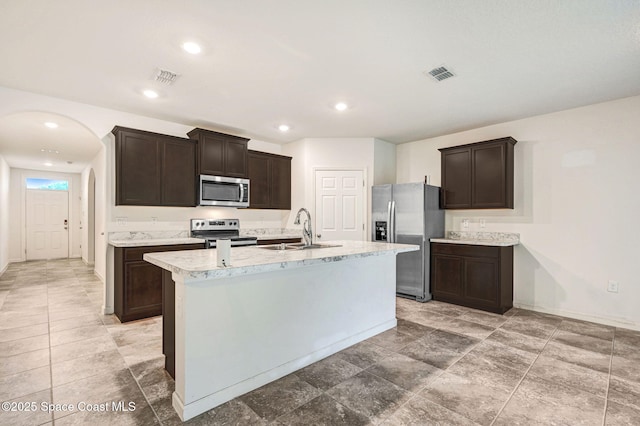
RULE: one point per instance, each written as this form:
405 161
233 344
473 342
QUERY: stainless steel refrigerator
408 213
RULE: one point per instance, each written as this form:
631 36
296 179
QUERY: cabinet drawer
135 253
465 250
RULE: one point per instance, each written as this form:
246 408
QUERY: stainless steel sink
297 246
279 247
301 246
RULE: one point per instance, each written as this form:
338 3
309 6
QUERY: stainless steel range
220 229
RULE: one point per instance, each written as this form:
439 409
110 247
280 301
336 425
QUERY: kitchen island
270 313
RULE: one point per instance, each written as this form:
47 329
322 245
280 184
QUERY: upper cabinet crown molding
220 154
478 175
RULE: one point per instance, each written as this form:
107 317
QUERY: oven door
223 191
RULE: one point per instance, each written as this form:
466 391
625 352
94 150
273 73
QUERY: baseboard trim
100 277
614 322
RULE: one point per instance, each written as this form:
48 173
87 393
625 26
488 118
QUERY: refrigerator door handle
392 221
389 222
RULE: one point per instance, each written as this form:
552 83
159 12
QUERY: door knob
319 235
66 227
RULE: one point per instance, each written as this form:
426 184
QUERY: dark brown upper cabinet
270 177
220 154
478 175
154 169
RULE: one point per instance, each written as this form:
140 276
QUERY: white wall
316 153
576 207
4 214
17 237
84 195
384 162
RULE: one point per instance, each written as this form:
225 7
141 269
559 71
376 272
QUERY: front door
47 224
339 205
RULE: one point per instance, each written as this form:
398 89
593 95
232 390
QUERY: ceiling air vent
440 73
166 77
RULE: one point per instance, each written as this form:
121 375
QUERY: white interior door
47 224
339 205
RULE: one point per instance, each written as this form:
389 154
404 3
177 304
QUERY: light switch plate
612 287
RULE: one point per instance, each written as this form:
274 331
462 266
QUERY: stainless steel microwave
223 191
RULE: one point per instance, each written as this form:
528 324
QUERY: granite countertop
201 264
499 239
155 242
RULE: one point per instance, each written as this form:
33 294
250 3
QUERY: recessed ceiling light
283 128
51 125
48 164
151 94
191 47
341 106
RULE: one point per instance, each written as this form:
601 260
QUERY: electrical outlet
154 220
483 223
121 221
612 287
465 223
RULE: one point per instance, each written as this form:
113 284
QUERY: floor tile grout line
606 398
523 377
155 413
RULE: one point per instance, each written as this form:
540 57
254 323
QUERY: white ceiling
266 62
26 143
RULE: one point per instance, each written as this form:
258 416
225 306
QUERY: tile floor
443 364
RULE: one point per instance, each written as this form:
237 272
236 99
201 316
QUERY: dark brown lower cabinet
479 277
137 283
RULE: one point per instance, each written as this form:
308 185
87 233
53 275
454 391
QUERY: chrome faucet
307 233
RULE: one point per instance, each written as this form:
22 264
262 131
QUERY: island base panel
233 335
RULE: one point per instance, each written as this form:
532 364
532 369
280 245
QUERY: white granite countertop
499 239
201 264
155 242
